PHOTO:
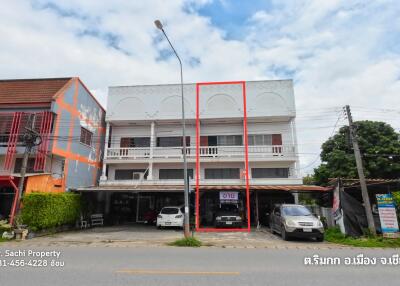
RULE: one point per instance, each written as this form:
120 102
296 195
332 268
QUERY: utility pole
360 169
31 138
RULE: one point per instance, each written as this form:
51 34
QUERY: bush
4 226
47 210
186 242
396 197
334 235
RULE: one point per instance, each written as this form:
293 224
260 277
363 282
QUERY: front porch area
126 205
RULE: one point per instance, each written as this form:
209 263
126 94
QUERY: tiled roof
26 91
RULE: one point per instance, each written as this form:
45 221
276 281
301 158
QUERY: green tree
309 180
379 146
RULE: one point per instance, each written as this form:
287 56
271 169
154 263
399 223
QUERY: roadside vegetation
379 144
4 226
334 235
47 210
186 242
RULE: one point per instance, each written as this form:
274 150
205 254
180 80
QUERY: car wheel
284 234
320 238
159 227
271 228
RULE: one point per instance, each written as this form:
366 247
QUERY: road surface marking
174 272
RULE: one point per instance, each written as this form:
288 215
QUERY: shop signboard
228 197
387 214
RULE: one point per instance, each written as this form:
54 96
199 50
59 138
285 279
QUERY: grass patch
186 242
334 235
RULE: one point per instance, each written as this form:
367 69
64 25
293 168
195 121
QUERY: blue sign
387 213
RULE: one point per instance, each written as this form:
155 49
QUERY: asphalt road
189 266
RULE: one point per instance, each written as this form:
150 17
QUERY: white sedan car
170 217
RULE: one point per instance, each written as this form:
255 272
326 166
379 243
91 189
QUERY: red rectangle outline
243 83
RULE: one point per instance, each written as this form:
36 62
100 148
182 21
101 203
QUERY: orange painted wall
44 183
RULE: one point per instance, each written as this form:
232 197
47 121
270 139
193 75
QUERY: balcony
292 179
206 153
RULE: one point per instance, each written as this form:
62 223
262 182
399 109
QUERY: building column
107 203
296 198
295 148
106 139
152 145
257 214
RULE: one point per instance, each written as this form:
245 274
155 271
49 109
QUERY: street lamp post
185 176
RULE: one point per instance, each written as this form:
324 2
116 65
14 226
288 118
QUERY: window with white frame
261 173
127 174
173 174
222 173
130 142
264 139
229 140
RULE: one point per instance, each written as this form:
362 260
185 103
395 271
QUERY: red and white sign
228 196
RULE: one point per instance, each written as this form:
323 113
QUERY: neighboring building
143 168
71 124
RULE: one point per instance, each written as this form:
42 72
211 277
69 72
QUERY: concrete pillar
296 198
103 173
100 201
152 145
296 170
107 203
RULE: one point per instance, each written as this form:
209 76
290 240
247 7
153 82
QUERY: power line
333 132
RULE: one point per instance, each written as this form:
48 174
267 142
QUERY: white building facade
143 150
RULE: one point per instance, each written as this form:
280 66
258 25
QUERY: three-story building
70 123
143 170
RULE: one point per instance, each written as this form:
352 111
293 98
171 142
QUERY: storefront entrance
263 202
138 207
214 201
261 205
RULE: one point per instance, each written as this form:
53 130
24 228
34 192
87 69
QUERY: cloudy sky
336 52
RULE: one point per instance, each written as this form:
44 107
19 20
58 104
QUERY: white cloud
338 52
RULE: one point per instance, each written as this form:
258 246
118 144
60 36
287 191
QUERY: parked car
170 217
290 220
228 216
150 217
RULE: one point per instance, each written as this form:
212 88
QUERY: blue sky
233 16
337 51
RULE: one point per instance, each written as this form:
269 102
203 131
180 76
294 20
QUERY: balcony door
134 142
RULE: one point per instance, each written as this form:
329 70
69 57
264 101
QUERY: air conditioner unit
138 176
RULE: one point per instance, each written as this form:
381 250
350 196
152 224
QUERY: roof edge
36 79
192 83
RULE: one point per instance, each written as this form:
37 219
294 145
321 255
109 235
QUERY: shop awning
270 188
179 188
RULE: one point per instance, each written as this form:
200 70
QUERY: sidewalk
149 236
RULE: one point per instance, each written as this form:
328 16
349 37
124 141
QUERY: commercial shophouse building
143 167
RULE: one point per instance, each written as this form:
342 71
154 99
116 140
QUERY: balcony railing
144 182
264 151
